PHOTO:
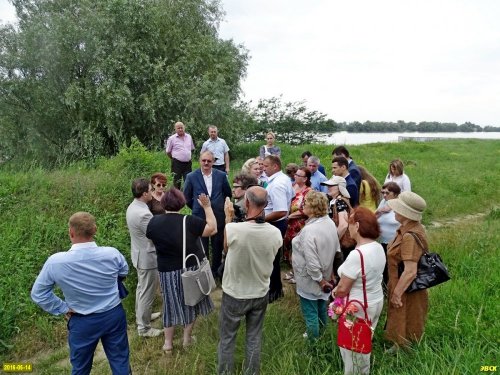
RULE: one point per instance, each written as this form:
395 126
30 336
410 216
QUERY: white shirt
208 182
403 181
279 194
218 147
374 261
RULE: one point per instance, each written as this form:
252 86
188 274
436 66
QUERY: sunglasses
298 175
236 186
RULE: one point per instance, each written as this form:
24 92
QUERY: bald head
257 197
179 128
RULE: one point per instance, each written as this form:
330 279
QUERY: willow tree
79 78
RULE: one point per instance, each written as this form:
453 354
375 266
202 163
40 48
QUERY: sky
384 60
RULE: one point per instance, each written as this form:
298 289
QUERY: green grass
462 332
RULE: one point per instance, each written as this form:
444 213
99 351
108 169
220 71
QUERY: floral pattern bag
354 333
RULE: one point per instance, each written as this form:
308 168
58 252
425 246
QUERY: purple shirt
180 147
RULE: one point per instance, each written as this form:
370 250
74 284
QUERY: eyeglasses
207 161
162 185
298 175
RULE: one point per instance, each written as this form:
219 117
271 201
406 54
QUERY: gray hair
313 159
257 196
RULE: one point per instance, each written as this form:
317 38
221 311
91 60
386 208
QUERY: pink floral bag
354 333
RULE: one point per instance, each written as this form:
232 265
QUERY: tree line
79 79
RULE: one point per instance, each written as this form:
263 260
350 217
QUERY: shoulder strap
363 278
184 242
417 239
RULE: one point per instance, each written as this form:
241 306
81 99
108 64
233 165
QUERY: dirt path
461 219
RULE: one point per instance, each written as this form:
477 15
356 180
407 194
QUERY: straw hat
409 205
340 182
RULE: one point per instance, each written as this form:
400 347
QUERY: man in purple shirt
178 148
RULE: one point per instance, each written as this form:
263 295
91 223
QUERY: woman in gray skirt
166 233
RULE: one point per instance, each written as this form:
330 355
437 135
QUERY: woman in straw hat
406 312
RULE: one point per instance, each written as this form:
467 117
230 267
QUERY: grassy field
457 178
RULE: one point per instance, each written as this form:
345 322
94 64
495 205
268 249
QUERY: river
345 138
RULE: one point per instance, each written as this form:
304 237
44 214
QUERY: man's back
252 248
87 277
142 249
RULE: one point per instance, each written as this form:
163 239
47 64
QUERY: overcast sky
383 60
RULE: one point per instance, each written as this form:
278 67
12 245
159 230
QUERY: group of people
241 228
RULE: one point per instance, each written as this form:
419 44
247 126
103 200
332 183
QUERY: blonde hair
271 133
248 165
317 202
83 224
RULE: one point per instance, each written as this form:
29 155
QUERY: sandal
167 350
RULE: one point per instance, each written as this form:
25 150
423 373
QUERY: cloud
374 60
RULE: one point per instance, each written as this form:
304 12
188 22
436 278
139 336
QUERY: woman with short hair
166 232
297 218
364 229
159 182
313 252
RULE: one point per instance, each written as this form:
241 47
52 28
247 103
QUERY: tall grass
461 334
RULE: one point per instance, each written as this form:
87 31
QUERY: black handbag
431 270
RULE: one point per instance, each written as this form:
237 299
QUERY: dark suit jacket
195 185
353 191
355 173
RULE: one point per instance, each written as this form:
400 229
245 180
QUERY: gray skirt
175 312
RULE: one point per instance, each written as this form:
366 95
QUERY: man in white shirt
279 196
219 148
251 247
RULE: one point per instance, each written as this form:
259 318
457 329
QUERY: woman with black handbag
407 312
361 285
166 231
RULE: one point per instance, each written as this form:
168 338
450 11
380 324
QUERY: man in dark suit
340 168
212 182
352 166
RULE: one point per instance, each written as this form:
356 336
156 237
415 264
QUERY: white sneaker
155 315
304 335
152 332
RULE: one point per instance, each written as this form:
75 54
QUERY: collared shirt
279 194
316 179
218 147
180 147
208 182
87 275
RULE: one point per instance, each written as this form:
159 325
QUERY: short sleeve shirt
166 233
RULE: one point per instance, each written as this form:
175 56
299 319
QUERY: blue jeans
85 331
232 311
315 316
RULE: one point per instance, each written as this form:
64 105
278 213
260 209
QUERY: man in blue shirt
316 176
87 275
219 148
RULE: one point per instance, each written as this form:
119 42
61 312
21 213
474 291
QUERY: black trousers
220 167
180 169
217 244
275 285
